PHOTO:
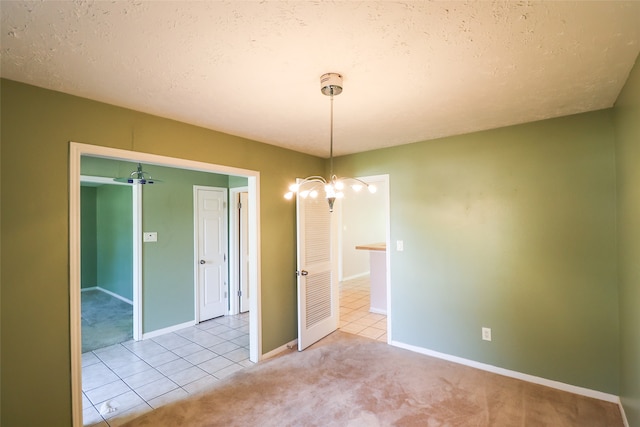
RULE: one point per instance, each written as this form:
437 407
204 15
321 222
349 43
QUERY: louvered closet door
317 287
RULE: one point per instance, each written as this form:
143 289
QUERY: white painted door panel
212 253
317 284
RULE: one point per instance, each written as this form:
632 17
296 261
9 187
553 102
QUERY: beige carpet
346 380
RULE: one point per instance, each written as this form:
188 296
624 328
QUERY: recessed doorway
77 151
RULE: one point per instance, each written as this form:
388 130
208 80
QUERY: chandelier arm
315 178
344 178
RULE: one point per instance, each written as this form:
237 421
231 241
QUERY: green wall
238 181
168 281
627 119
512 229
114 248
88 238
167 265
37 126
106 230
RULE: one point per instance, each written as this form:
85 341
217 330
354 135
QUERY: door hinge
224 256
239 293
239 205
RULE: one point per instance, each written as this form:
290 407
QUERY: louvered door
317 284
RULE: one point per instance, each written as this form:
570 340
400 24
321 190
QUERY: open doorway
77 151
363 236
108 219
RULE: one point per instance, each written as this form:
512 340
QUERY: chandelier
330 85
138 177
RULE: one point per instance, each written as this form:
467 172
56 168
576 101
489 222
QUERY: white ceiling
412 70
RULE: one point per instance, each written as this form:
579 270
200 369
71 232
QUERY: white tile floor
139 376
355 317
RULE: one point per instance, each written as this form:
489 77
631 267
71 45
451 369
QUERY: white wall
363 220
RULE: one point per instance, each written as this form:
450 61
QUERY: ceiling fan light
289 195
313 194
356 187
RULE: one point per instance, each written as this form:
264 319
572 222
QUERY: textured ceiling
412 70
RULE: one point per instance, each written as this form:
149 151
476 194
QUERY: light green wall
37 126
88 238
627 120
512 229
114 248
238 181
167 265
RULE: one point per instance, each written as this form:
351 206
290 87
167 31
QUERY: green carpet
106 320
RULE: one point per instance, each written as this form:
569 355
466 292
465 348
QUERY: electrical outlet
486 334
399 245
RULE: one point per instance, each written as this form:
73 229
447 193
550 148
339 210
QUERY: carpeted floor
346 380
106 320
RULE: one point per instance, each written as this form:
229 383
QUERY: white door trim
76 150
136 196
234 249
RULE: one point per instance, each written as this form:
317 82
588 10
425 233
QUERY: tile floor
355 317
139 376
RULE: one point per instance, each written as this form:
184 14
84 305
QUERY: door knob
202 261
304 272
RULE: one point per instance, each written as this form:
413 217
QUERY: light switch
150 236
399 245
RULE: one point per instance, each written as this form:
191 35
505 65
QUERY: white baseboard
106 291
275 352
377 311
355 276
513 374
624 415
163 331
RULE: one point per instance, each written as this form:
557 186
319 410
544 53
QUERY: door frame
136 196
196 247
76 151
234 249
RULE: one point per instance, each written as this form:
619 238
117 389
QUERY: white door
318 301
244 252
211 259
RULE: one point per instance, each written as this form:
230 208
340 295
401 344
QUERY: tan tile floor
355 317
